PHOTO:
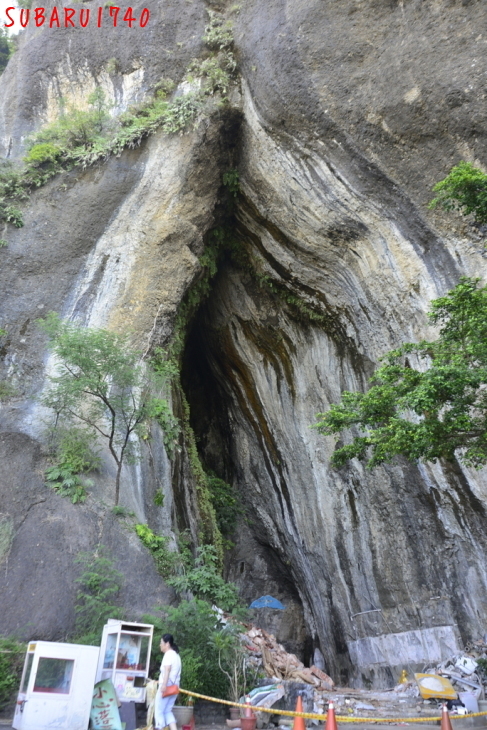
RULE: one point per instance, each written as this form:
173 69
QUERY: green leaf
463 189
428 400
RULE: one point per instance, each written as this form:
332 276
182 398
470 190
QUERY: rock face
348 112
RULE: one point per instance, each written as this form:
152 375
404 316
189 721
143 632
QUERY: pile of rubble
264 651
463 672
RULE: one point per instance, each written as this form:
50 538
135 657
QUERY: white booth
57 686
124 658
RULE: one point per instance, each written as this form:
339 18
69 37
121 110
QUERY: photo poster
128 651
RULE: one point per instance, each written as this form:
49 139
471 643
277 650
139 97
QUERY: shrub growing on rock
102 384
429 399
463 189
12 655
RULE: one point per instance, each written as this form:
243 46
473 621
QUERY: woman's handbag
173 689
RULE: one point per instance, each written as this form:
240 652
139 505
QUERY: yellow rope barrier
315 716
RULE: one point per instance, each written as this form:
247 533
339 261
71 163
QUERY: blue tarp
264 696
266 602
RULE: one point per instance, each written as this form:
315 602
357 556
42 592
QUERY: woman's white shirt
172 659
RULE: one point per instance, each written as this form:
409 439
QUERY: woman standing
170 676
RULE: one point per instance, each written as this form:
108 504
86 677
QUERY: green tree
193 624
203 579
6 49
12 654
232 660
428 399
463 189
99 584
102 383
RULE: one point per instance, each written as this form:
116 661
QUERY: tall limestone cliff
344 115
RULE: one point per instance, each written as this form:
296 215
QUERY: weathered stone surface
351 110
38 573
399 81
68 63
118 248
355 547
425 646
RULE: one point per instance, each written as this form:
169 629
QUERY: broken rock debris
458 679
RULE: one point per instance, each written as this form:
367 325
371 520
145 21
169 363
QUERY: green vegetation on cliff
72 455
428 399
166 560
12 653
98 585
7 390
201 575
209 532
463 189
102 385
225 503
6 49
82 137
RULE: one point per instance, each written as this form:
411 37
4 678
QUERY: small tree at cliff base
98 586
12 654
428 399
102 384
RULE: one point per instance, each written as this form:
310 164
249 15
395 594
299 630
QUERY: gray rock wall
349 112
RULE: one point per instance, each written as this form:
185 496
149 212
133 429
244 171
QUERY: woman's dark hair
169 639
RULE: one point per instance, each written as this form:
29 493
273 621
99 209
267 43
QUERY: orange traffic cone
299 723
445 719
248 711
331 723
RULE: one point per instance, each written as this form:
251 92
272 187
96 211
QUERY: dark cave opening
252 563
208 408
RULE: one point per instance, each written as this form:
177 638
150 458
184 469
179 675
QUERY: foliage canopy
463 189
6 49
428 399
194 625
98 586
12 654
102 384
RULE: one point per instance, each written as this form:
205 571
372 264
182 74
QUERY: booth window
54 675
133 652
27 671
144 653
110 651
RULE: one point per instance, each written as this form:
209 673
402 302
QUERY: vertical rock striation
349 111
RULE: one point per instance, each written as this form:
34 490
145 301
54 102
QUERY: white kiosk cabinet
124 658
56 687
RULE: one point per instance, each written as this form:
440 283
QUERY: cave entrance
208 368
